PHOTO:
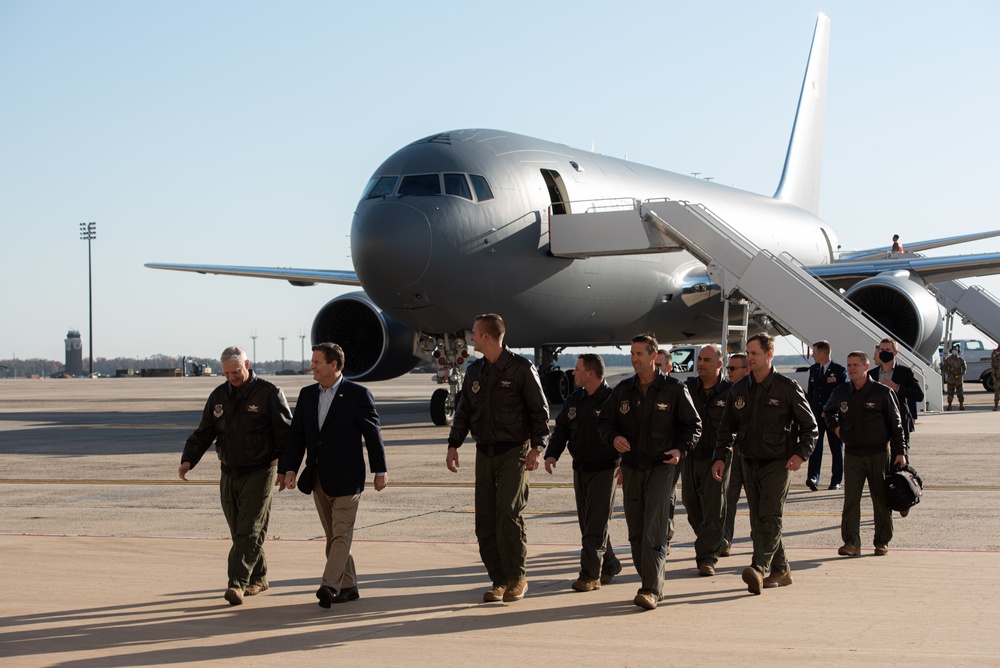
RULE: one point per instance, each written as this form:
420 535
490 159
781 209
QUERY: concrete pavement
109 560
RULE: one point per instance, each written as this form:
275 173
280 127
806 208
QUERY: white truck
977 356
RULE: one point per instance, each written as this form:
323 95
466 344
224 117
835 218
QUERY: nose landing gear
449 352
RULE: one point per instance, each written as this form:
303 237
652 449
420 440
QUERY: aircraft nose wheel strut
450 351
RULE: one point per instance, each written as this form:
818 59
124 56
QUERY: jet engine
376 347
903 307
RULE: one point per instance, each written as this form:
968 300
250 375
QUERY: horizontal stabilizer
300 277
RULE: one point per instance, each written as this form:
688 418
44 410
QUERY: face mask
886 356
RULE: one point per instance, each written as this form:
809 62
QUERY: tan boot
516 589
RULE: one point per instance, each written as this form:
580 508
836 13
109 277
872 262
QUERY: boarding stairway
977 306
777 285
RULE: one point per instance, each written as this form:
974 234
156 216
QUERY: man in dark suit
901 380
331 417
824 375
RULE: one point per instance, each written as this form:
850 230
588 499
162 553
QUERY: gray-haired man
247 418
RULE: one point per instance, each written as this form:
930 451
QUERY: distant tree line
104 366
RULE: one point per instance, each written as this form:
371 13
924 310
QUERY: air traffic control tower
74 353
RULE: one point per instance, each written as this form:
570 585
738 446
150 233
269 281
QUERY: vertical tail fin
800 177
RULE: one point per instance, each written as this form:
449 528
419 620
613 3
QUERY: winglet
800 177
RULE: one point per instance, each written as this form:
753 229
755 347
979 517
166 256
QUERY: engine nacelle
903 307
376 347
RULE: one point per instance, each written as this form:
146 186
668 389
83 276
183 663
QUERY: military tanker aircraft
458 223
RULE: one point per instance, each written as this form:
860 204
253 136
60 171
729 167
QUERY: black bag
903 488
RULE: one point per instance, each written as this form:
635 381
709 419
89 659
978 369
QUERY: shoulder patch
843 406
571 413
218 411
476 387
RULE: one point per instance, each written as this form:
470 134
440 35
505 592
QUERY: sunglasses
734 368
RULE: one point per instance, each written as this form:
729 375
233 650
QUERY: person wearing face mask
900 379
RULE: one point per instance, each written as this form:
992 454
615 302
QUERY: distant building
74 353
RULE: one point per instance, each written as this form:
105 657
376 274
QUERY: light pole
88 231
303 337
282 351
253 335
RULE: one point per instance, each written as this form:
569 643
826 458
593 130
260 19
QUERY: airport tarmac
110 560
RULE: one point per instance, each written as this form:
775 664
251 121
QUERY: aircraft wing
298 277
844 274
916 247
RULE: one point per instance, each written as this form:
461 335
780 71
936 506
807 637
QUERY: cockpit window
481 187
457 184
383 187
420 184
368 188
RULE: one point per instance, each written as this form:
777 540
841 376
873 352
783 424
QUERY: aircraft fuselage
433 261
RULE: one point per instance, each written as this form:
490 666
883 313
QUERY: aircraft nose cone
391 246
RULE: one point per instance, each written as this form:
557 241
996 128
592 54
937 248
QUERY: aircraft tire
442 414
556 386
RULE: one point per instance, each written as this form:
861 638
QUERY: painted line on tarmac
744 548
432 485
215 483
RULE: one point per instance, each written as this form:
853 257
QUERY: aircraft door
557 191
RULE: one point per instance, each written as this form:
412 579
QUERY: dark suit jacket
909 390
335 450
821 385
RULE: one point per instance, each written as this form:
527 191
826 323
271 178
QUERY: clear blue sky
243 132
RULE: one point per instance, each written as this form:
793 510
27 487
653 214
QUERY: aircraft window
456 184
421 184
383 187
482 188
368 188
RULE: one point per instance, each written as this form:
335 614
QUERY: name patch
506 383
773 401
253 408
663 407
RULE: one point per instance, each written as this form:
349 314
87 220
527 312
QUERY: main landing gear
556 383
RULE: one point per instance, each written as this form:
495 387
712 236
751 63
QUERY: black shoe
326 596
834 485
347 594
812 484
